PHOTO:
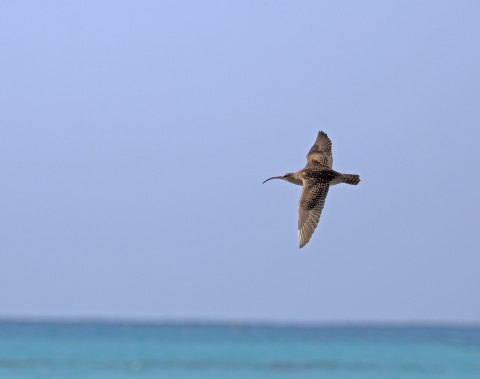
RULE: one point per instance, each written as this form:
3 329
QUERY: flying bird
316 178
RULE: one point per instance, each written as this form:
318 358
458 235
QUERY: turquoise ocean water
103 350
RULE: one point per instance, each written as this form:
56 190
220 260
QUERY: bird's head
289 177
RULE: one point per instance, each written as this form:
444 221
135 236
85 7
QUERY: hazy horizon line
230 322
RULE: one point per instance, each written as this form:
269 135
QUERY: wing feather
321 151
310 208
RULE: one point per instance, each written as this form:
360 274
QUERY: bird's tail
351 179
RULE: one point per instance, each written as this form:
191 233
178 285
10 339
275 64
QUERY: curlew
316 178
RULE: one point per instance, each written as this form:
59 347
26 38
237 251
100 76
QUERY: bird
316 178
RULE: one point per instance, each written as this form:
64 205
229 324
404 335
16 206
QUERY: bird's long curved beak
274 177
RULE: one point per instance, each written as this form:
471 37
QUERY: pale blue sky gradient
135 136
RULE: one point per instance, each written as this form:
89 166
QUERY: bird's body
316 178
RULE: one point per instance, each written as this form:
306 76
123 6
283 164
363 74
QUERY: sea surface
106 350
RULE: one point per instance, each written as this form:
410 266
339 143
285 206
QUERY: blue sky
135 137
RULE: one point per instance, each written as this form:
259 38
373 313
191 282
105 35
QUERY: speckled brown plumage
316 179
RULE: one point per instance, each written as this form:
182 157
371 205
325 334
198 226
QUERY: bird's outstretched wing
321 151
310 208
